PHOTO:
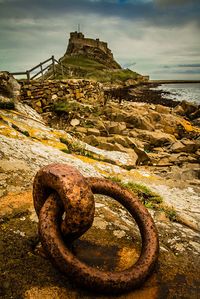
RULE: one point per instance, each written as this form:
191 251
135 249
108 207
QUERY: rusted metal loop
50 217
75 196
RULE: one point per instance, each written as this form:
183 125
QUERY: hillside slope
91 59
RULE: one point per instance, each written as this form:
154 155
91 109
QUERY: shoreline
141 93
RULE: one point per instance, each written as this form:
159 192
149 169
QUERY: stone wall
42 95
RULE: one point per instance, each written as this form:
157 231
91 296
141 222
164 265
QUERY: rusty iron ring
50 210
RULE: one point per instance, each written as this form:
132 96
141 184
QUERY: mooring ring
50 218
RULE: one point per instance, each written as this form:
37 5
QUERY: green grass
63 106
92 69
82 62
169 212
149 198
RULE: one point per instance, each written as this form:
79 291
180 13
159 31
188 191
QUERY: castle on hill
91 48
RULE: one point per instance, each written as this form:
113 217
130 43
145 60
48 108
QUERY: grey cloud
133 10
188 71
31 31
189 65
175 2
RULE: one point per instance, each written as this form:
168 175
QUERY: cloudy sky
156 37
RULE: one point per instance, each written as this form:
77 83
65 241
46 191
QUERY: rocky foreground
151 145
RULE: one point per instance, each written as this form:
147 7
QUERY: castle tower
91 48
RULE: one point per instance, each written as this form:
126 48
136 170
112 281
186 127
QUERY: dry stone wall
42 95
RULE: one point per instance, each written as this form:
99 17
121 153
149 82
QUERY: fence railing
39 70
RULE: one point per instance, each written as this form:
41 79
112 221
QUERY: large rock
188 107
190 110
121 140
162 109
93 131
139 122
187 146
9 90
116 128
157 138
143 157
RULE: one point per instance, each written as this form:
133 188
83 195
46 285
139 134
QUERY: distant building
94 48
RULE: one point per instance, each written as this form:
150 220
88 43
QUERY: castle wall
79 39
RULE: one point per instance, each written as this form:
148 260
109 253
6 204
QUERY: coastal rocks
187 146
139 122
157 138
113 242
9 90
162 109
187 109
93 131
116 127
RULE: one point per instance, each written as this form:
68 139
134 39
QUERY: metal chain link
60 188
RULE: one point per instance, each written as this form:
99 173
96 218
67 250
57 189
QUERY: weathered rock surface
113 243
9 90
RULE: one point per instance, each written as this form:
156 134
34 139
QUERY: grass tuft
149 198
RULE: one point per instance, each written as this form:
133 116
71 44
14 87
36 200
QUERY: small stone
93 131
54 97
75 122
81 130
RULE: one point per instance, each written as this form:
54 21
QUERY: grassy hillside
83 67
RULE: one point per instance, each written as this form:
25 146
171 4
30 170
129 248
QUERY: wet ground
113 243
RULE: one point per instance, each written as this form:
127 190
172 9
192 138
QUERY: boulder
107 146
143 158
157 138
121 140
153 116
187 146
195 114
188 107
191 146
100 125
81 130
92 140
179 110
139 122
118 147
116 128
9 90
93 131
162 109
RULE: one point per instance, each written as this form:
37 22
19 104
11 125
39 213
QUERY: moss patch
149 198
7 105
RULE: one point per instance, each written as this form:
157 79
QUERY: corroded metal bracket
59 189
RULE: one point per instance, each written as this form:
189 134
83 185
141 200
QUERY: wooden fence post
42 71
28 75
53 64
62 69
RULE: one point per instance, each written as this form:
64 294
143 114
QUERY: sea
181 91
